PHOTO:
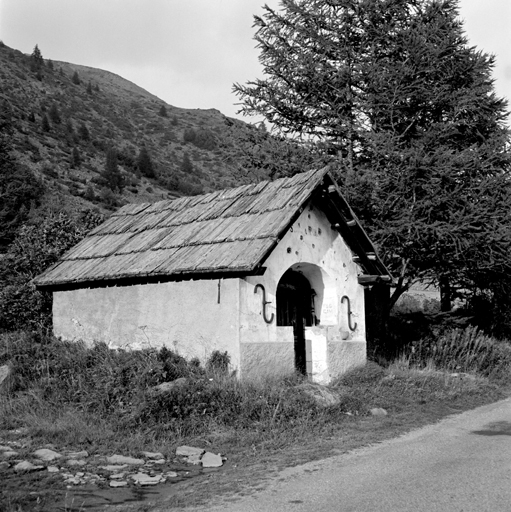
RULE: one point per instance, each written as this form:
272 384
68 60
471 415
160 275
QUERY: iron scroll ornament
352 328
265 302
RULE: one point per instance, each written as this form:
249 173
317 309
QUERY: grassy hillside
66 116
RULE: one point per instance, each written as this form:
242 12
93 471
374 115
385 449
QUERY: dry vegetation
101 400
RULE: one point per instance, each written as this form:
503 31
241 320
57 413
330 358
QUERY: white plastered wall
192 317
312 247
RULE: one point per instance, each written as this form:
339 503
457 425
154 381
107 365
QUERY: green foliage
35 248
76 78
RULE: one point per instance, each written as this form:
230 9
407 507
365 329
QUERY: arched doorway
295 308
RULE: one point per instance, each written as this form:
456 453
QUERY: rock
121 459
170 474
6 374
77 455
47 455
118 483
5 448
143 479
76 462
53 469
378 411
152 455
7 454
116 467
211 460
165 387
322 395
186 451
4 465
26 466
159 461
117 476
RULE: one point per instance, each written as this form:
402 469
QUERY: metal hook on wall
265 302
352 328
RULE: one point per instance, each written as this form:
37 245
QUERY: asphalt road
461 464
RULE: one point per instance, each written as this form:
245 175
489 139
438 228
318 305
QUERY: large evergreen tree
406 107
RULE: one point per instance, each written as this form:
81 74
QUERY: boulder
26 466
186 451
47 455
322 395
165 387
211 460
144 479
378 411
153 455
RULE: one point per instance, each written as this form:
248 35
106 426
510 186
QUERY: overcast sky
190 52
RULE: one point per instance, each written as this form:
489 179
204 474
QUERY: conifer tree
405 106
112 174
76 78
45 124
145 164
36 59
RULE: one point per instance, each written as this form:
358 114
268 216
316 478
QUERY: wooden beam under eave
373 279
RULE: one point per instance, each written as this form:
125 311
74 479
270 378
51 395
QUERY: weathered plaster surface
312 247
262 360
345 355
185 316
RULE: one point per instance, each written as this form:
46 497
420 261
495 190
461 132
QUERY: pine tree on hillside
36 59
45 124
54 114
145 164
76 78
112 174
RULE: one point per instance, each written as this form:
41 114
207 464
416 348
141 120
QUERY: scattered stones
211 460
47 455
153 455
121 459
26 466
118 483
144 479
378 411
52 469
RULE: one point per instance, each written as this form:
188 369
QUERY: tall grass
463 350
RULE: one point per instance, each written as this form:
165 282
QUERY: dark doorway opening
295 308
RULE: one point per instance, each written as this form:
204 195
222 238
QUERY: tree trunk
445 293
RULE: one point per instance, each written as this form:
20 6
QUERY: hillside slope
65 117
